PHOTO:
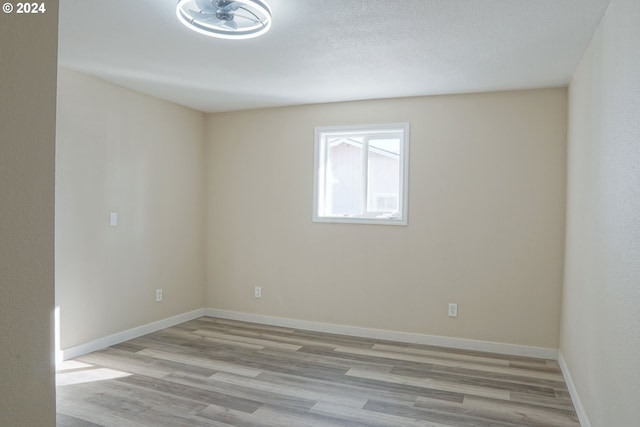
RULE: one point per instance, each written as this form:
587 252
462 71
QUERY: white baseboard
407 337
573 392
100 343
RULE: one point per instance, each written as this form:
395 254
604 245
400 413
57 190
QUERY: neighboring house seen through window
361 174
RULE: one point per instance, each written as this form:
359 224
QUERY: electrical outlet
257 292
158 295
453 310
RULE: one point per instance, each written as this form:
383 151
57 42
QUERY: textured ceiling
331 50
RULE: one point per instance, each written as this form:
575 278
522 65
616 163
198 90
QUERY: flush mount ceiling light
227 19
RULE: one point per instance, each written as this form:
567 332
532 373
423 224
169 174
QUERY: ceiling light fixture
226 19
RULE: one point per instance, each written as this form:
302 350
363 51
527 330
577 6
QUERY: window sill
360 220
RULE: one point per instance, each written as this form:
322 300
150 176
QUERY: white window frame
320 153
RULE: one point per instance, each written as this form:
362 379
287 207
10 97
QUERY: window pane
360 174
344 176
383 190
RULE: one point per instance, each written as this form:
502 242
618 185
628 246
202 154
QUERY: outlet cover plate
453 310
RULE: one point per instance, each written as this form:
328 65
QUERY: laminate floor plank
248 340
544 401
193 393
120 404
306 391
349 389
498 410
442 355
202 362
372 418
243 391
480 382
513 377
219 372
430 384
138 363
447 417
63 420
436 362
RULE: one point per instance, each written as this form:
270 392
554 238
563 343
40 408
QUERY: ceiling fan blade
212 20
198 14
232 6
206 6
248 18
230 24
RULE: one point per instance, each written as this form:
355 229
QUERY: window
361 174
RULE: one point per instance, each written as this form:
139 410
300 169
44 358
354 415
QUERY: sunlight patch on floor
71 372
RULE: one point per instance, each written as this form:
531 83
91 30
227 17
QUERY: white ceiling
331 50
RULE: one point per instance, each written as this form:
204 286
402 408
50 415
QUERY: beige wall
486 219
601 307
118 150
28 47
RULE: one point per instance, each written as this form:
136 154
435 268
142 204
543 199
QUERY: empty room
320 213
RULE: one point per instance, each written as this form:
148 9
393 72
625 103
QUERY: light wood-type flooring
215 372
